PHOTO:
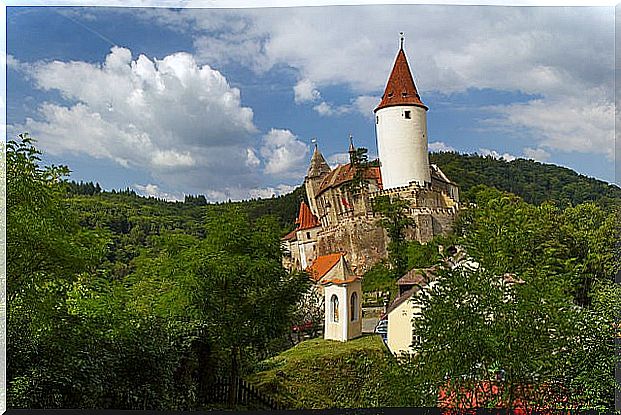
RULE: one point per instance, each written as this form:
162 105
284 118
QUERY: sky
225 103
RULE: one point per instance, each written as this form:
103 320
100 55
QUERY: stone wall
361 239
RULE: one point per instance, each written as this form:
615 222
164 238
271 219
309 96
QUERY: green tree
230 284
517 310
47 251
396 221
359 162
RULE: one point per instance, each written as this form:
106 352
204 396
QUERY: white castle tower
401 127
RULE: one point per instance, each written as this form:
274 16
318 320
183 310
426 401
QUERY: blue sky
225 102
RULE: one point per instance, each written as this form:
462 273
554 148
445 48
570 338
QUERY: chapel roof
400 88
323 264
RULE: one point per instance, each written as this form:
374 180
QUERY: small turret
317 170
352 150
318 165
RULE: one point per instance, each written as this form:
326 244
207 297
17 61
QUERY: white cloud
338 159
493 153
537 154
284 154
364 104
251 158
267 192
440 146
180 121
508 48
305 91
584 125
153 190
328 110
559 54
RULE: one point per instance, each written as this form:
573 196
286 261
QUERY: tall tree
516 313
396 221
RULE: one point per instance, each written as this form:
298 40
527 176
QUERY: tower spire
400 88
318 165
352 149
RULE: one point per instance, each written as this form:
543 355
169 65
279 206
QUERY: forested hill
533 181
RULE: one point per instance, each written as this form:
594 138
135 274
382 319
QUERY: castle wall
361 239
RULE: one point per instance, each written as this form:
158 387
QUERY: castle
339 216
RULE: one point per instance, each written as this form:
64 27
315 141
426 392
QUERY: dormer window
390 94
404 94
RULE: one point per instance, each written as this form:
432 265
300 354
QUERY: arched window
334 302
353 306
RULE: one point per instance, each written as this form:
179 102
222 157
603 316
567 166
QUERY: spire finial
352 150
314 141
401 39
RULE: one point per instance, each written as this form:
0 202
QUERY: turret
401 127
317 170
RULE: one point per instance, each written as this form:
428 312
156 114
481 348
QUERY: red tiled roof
306 219
320 266
345 173
291 236
400 88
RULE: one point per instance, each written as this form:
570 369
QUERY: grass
319 374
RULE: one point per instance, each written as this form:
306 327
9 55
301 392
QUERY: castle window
334 305
376 119
307 235
408 114
354 306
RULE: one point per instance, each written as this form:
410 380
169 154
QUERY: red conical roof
306 219
400 88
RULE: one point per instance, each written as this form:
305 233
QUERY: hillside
319 374
533 181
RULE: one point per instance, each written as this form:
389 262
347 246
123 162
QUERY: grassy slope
318 374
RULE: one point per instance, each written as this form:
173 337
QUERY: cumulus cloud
561 55
174 118
363 104
267 192
438 146
284 154
327 110
493 153
537 154
305 91
153 190
338 159
569 124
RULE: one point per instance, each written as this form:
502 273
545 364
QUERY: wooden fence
245 394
